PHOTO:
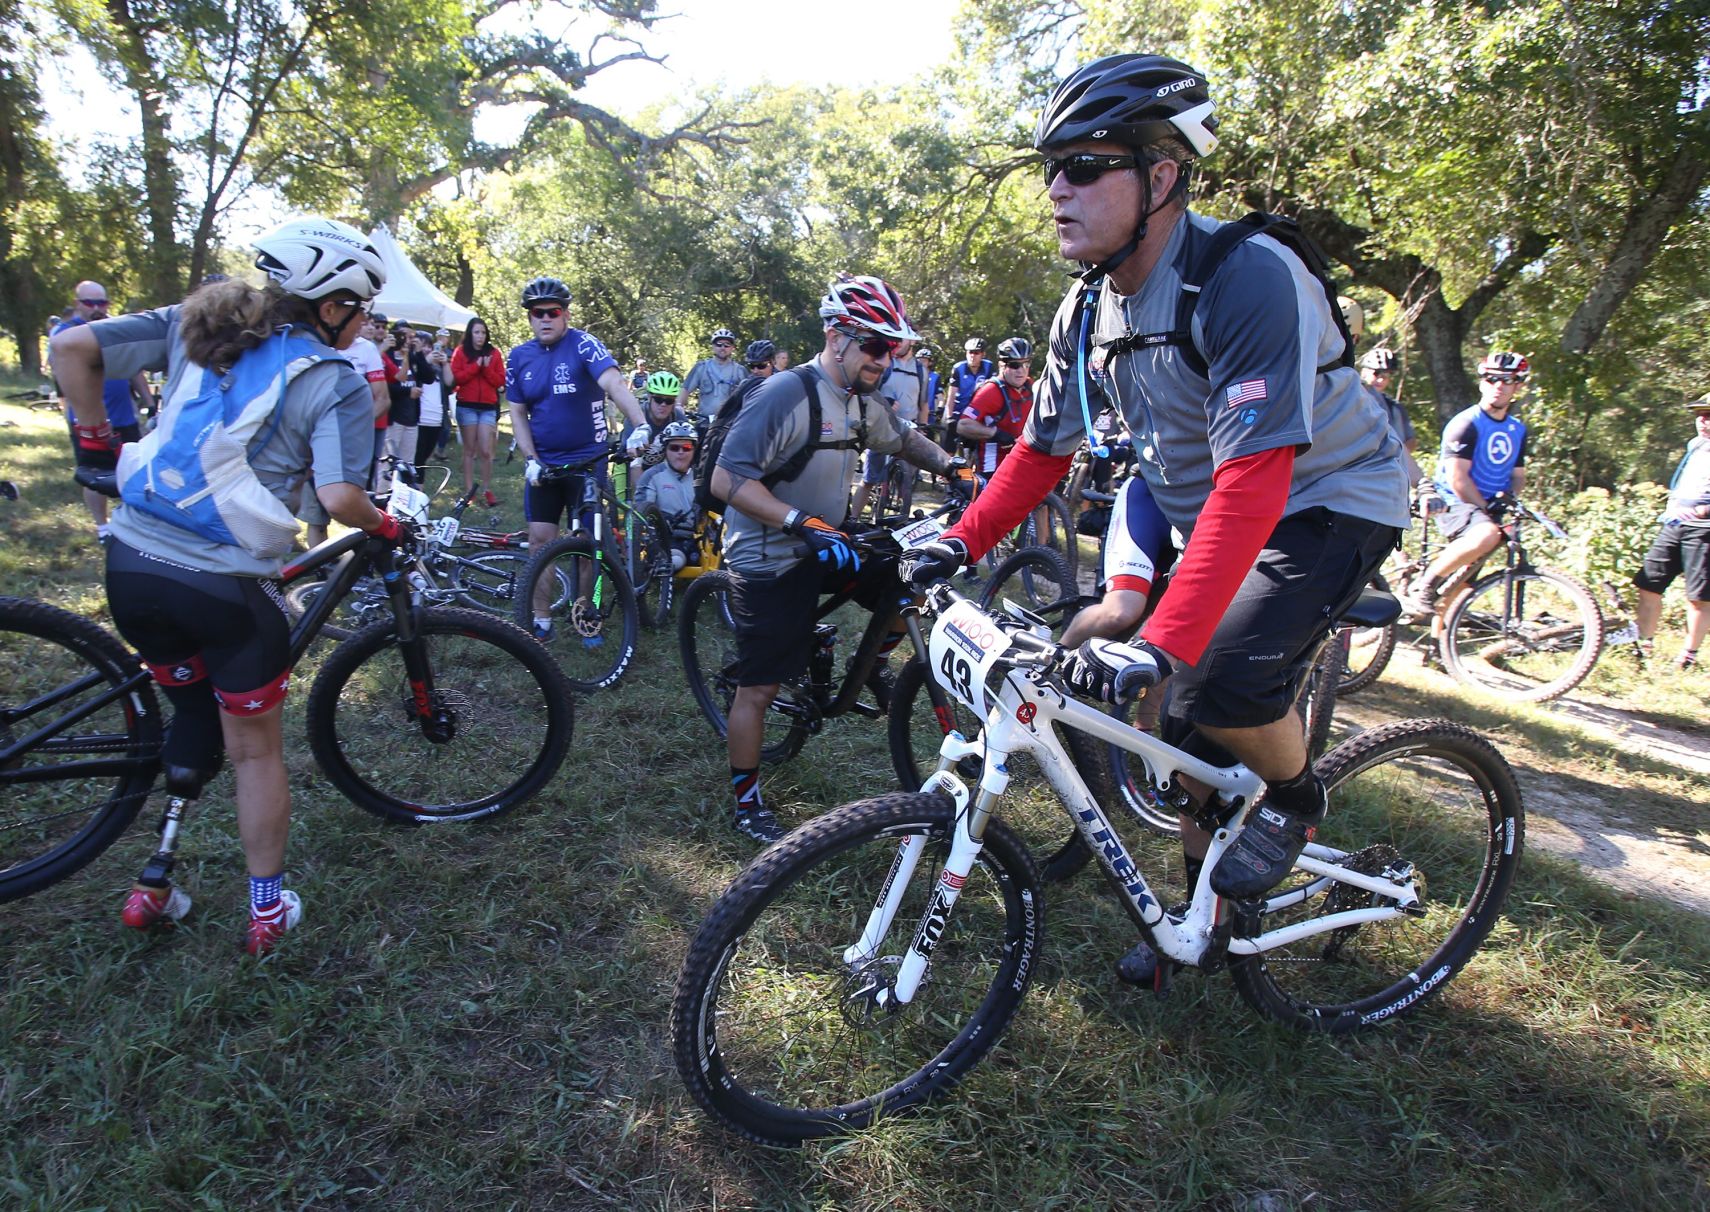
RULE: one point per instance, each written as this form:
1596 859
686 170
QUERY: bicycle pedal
1164 978
871 711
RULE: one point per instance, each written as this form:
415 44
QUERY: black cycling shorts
190 625
552 500
774 617
104 460
1677 550
1312 569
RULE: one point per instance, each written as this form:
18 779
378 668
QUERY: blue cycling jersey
115 393
968 379
1495 447
559 389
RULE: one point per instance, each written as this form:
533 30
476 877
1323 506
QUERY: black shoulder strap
797 463
1225 240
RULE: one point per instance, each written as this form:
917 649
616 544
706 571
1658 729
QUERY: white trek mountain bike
866 961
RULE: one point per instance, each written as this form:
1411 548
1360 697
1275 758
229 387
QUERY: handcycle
1521 632
442 575
706 637
864 963
592 629
1038 574
423 715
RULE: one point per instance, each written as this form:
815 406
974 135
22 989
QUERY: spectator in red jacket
478 369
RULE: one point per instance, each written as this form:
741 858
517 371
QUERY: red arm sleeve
1247 499
1020 483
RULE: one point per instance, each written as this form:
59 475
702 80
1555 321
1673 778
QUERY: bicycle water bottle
824 660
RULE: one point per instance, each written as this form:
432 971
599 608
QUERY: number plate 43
965 645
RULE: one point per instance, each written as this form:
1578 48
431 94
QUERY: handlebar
96 480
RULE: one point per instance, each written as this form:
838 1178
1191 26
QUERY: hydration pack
793 466
1197 276
193 470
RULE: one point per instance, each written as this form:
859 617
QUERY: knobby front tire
54 664
1427 793
594 629
509 709
768 1028
1526 636
706 637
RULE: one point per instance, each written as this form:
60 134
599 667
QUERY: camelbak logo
1177 86
1099 134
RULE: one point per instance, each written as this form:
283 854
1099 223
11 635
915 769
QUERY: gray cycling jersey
1399 421
715 381
673 492
1264 328
327 425
771 427
902 387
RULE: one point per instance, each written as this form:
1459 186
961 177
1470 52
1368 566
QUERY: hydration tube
1088 301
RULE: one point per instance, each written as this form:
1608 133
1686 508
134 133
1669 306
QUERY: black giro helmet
758 352
545 290
1015 349
1130 99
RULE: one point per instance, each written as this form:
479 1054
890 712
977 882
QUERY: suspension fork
430 714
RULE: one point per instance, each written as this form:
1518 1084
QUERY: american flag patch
1246 393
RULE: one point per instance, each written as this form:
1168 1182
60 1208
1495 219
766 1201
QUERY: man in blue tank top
1481 465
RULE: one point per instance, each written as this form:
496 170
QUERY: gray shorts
1458 518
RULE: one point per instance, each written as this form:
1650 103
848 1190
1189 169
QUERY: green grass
474 1016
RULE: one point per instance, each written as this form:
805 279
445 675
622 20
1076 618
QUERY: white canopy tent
409 295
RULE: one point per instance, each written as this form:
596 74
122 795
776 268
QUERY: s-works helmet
315 257
1381 360
759 351
679 431
1014 349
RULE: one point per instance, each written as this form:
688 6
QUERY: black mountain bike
424 715
707 637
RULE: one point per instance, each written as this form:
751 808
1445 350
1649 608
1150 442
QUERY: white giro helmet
316 257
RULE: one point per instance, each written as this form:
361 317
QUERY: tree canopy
1482 175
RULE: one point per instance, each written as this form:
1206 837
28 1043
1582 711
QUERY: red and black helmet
870 303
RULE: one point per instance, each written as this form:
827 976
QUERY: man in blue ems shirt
557 385
1481 463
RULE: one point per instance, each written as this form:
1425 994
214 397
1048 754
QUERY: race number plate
445 531
965 645
918 533
408 503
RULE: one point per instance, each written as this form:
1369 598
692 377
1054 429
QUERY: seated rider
1255 443
1481 464
670 488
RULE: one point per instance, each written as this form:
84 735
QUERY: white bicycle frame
970 651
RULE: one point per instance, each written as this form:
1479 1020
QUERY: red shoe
265 931
146 906
491 499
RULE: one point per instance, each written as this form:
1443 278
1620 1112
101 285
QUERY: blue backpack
193 470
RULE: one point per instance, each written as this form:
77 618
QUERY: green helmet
664 383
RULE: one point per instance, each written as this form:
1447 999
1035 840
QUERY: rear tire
53 663
1528 644
1422 792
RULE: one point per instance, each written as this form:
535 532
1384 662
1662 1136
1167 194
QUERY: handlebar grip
105 482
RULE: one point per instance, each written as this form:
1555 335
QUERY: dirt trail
1587 818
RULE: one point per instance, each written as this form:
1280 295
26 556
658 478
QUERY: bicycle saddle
1373 608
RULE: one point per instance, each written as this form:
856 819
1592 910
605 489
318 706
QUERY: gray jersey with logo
715 381
327 424
1264 329
773 426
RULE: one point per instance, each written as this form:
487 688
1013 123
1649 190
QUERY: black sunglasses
1015 365
546 313
870 343
1083 168
93 302
1500 378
